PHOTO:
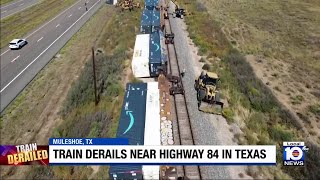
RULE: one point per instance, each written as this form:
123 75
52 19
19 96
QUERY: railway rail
182 114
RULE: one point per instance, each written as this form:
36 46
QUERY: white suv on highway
17 43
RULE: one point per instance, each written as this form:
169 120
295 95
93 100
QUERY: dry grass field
282 42
267 55
4 1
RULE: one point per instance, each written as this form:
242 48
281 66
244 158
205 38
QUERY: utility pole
94 77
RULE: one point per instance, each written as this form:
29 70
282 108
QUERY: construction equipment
169 38
127 4
178 12
208 95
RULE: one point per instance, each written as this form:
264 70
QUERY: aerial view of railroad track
240 76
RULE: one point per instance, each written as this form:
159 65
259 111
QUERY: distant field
5 1
267 55
19 24
284 39
286 30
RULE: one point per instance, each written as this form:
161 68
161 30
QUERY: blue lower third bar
88 141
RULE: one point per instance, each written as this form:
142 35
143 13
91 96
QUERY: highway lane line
21 4
5 52
70 15
51 20
10 4
39 39
48 47
3 12
45 24
58 25
15 58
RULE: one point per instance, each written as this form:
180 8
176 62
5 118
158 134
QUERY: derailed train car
155 24
149 56
141 53
149 4
146 22
155 62
140 124
152 127
150 24
131 126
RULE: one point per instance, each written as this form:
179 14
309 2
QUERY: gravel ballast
203 130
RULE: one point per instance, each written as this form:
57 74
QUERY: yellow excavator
208 95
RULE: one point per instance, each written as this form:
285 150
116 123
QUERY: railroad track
183 119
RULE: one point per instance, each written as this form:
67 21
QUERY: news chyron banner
111 151
27 154
33 154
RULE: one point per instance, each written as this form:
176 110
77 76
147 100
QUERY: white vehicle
17 43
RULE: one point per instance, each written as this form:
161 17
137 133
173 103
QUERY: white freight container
152 127
140 60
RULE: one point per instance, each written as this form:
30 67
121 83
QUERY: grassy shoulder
3 2
251 104
37 107
19 24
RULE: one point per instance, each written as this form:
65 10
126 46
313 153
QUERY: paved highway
19 67
16 6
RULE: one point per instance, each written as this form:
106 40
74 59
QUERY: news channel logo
294 153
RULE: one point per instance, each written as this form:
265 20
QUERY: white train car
152 127
140 59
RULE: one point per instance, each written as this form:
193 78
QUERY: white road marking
21 4
57 25
51 20
39 39
79 8
47 48
5 52
3 12
15 58
11 4
70 15
45 24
